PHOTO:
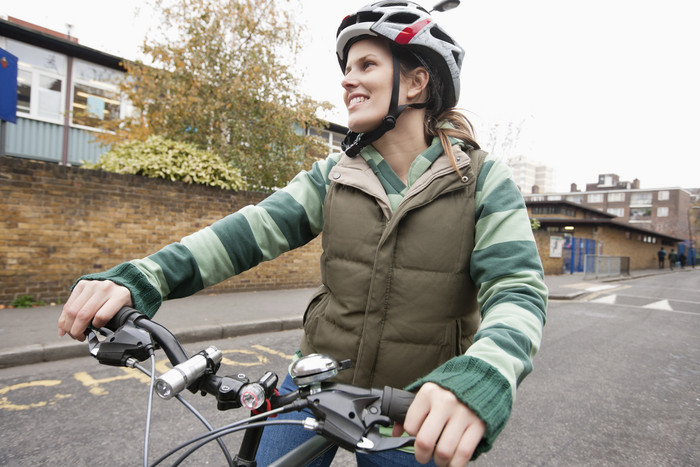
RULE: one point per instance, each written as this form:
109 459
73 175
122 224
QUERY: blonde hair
460 127
434 125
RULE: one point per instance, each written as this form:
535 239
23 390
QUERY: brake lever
126 342
375 442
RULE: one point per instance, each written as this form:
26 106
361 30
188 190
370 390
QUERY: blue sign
8 86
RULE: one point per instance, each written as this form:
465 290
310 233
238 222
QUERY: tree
223 82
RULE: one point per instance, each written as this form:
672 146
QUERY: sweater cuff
144 296
479 386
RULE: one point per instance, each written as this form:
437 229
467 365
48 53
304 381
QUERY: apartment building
662 210
531 177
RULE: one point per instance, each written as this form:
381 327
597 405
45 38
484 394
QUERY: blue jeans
279 440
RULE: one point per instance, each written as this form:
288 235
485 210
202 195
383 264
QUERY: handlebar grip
121 318
395 403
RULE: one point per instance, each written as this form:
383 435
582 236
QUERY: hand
96 301
445 428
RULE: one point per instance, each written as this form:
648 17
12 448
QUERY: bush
26 301
158 157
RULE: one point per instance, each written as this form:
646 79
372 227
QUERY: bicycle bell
315 368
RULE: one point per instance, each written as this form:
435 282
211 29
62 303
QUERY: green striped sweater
505 266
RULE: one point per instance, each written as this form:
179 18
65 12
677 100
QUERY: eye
368 64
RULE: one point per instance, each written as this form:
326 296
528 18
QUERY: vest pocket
316 299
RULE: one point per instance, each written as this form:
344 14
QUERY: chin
362 126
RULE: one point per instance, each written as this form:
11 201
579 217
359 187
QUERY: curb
40 353
568 296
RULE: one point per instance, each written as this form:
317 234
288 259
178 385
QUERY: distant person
672 258
662 257
682 259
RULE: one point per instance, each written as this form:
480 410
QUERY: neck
400 147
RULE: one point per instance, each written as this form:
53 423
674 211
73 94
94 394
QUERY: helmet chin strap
355 142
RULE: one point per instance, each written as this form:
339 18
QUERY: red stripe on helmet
410 32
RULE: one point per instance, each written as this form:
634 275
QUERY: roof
563 202
544 221
57 44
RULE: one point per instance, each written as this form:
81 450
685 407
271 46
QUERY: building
661 210
569 231
531 177
64 90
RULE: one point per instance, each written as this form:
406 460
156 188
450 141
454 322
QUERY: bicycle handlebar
348 415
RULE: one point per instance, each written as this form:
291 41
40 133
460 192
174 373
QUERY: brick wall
58 223
616 241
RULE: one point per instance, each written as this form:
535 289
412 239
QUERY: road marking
273 352
261 359
660 305
7 405
608 299
95 385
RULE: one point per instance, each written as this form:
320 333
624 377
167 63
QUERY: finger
448 443
86 313
108 310
71 309
397 430
467 445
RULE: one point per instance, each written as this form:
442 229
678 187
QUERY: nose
349 82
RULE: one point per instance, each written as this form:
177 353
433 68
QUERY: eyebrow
362 58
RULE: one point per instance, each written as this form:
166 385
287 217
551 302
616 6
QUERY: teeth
357 100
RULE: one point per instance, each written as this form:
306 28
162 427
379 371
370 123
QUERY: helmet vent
439 34
403 18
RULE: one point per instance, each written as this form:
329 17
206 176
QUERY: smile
356 100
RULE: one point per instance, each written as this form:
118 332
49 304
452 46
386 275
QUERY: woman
431 277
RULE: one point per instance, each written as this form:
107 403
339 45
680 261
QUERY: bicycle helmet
406 25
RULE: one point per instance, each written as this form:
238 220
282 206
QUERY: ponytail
459 127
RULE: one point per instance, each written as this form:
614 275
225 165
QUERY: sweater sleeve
512 296
287 219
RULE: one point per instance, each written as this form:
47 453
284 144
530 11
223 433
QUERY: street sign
8 86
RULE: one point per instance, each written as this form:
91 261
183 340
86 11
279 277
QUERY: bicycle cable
149 410
187 405
215 433
227 430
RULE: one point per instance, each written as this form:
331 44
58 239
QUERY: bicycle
343 414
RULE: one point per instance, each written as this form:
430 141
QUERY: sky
587 88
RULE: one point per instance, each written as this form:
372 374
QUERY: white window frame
34 95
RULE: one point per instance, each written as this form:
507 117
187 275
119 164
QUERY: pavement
30 335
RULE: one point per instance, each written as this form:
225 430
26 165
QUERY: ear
417 82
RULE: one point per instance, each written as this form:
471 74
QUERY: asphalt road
616 383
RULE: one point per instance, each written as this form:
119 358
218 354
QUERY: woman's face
368 81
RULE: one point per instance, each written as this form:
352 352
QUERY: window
596 198
575 199
616 197
49 97
640 215
40 76
91 104
662 212
95 94
663 195
619 212
640 199
545 210
24 91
